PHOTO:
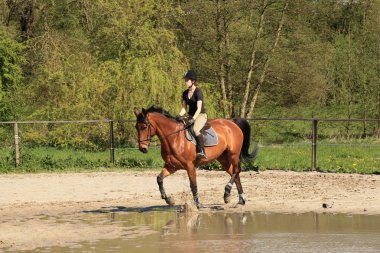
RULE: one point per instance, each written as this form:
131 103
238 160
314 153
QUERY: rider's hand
179 118
190 122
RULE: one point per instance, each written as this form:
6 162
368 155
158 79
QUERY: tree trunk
12 8
27 19
221 80
253 59
263 74
228 71
84 5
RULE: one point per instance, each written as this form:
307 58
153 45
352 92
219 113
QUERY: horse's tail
246 128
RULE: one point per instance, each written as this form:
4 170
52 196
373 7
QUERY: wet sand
28 201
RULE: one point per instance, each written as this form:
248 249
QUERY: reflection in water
229 224
240 232
169 228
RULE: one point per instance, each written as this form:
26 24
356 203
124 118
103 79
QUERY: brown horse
179 153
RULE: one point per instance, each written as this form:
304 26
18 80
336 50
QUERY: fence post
17 148
314 145
112 144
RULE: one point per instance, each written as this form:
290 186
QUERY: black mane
159 110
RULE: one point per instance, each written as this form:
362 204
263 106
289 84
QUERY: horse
179 153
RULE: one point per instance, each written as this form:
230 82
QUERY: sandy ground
31 204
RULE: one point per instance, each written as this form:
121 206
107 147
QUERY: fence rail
314 131
314 127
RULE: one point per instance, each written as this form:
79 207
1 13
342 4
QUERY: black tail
246 128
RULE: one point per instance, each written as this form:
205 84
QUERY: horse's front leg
166 171
227 190
193 185
227 165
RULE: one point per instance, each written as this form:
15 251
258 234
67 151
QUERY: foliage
75 60
11 59
329 57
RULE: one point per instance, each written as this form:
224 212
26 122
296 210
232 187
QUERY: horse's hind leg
166 171
232 167
227 165
240 190
228 188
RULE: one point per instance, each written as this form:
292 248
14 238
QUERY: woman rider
193 97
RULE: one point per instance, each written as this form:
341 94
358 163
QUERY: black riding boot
200 147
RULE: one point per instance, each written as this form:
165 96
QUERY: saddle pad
209 137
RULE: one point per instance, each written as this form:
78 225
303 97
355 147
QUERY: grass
48 159
358 159
331 157
363 159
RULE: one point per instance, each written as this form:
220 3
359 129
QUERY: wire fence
322 142
342 145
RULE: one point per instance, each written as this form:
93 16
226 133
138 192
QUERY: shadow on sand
121 209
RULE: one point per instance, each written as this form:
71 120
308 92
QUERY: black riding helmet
190 74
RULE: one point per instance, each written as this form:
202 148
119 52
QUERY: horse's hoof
169 201
241 199
227 193
199 205
227 198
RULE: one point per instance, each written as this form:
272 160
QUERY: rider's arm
199 108
183 109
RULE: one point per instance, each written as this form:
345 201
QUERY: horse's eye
141 127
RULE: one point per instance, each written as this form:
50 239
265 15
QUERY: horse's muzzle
144 150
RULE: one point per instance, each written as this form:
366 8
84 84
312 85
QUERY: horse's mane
159 110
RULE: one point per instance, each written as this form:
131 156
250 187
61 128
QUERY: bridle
149 125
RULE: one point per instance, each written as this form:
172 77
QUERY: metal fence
314 122
16 135
312 133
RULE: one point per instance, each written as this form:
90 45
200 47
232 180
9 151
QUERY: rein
149 137
184 128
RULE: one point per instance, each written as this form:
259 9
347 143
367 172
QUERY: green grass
331 157
45 159
358 159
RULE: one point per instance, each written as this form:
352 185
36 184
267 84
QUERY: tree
353 72
99 59
265 66
11 75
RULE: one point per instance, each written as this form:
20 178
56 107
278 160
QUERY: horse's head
144 128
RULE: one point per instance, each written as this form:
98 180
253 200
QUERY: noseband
149 126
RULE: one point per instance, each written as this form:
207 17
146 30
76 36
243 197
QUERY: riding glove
179 118
190 122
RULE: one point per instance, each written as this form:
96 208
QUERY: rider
193 97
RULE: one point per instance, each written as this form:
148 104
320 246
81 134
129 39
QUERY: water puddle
169 231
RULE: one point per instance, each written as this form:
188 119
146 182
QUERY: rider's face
188 82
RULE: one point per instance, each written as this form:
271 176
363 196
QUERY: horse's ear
136 111
144 112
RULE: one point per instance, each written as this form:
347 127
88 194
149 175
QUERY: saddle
209 136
